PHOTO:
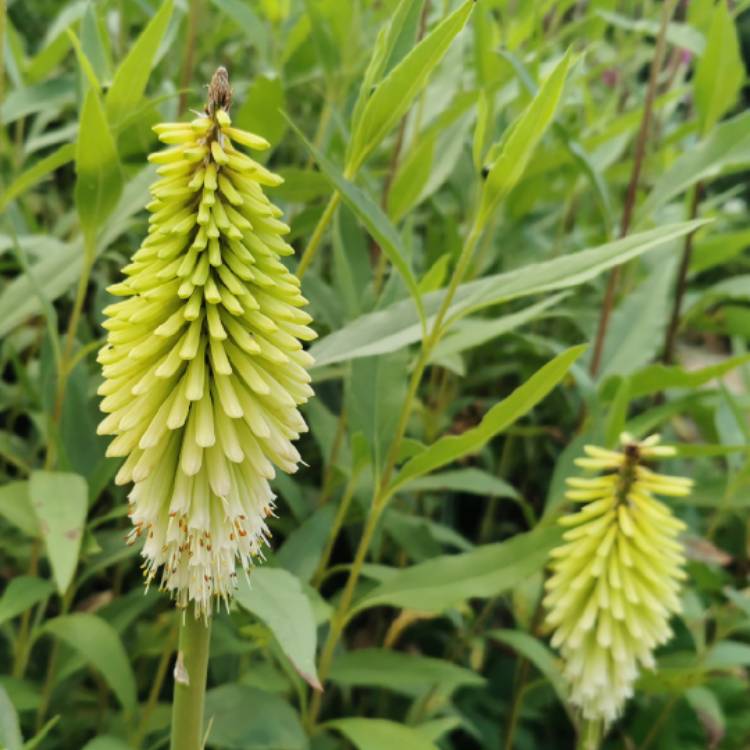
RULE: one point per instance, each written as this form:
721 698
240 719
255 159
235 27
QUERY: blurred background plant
446 166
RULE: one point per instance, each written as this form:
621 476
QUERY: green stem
312 246
190 683
64 370
156 686
23 645
329 473
49 679
591 735
382 494
340 616
338 522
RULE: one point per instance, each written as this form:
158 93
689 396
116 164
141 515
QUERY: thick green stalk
591 735
190 683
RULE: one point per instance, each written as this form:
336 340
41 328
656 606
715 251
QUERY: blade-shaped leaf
34 174
726 148
371 215
521 401
241 717
20 594
100 645
397 326
10 730
276 597
132 74
381 734
720 71
393 96
98 177
406 673
60 502
538 654
520 143
443 582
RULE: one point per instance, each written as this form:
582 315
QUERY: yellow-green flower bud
616 578
203 363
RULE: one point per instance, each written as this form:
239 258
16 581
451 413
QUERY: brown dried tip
219 91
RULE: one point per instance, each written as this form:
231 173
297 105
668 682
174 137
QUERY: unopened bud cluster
203 363
617 576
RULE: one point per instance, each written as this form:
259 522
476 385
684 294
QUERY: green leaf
41 735
452 447
636 331
60 502
469 481
57 271
48 96
246 718
708 710
381 734
87 69
30 177
261 110
15 507
576 150
473 332
412 176
444 582
393 41
398 326
372 216
22 593
715 249
10 730
275 596
245 19
726 148
720 72
93 44
618 412
522 140
303 547
409 674
106 742
98 177
377 388
656 378
538 654
727 655
394 95
100 646
131 76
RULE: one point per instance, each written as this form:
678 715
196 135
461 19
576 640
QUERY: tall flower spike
616 578
203 363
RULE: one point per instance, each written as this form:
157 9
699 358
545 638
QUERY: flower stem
382 492
591 735
312 246
190 683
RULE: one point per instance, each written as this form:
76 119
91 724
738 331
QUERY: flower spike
616 578
203 366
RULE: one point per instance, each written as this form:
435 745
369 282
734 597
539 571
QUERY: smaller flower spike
616 578
203 365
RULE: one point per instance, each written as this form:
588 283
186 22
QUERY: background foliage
445 163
